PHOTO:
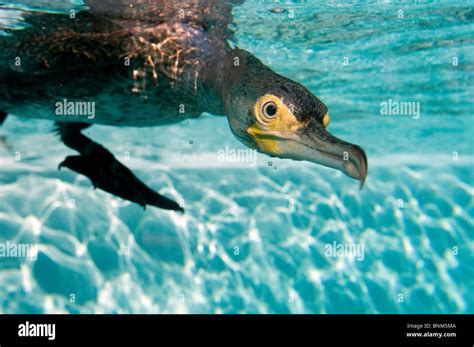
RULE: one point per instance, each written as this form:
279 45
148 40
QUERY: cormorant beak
314 143
317 145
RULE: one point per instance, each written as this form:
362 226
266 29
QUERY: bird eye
269 110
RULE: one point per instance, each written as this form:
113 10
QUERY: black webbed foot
106 172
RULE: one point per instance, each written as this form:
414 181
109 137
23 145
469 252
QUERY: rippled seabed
253 238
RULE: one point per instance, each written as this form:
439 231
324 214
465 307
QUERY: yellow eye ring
273 114
326 120
269 110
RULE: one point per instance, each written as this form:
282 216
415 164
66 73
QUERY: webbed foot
105 171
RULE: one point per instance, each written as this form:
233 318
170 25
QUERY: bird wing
56 42
209 14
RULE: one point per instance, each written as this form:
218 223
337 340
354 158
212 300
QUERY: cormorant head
281 118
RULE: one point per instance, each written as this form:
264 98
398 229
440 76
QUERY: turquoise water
255 238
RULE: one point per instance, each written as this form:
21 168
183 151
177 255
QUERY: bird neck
226 73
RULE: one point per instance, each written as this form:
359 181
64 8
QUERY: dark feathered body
142 65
